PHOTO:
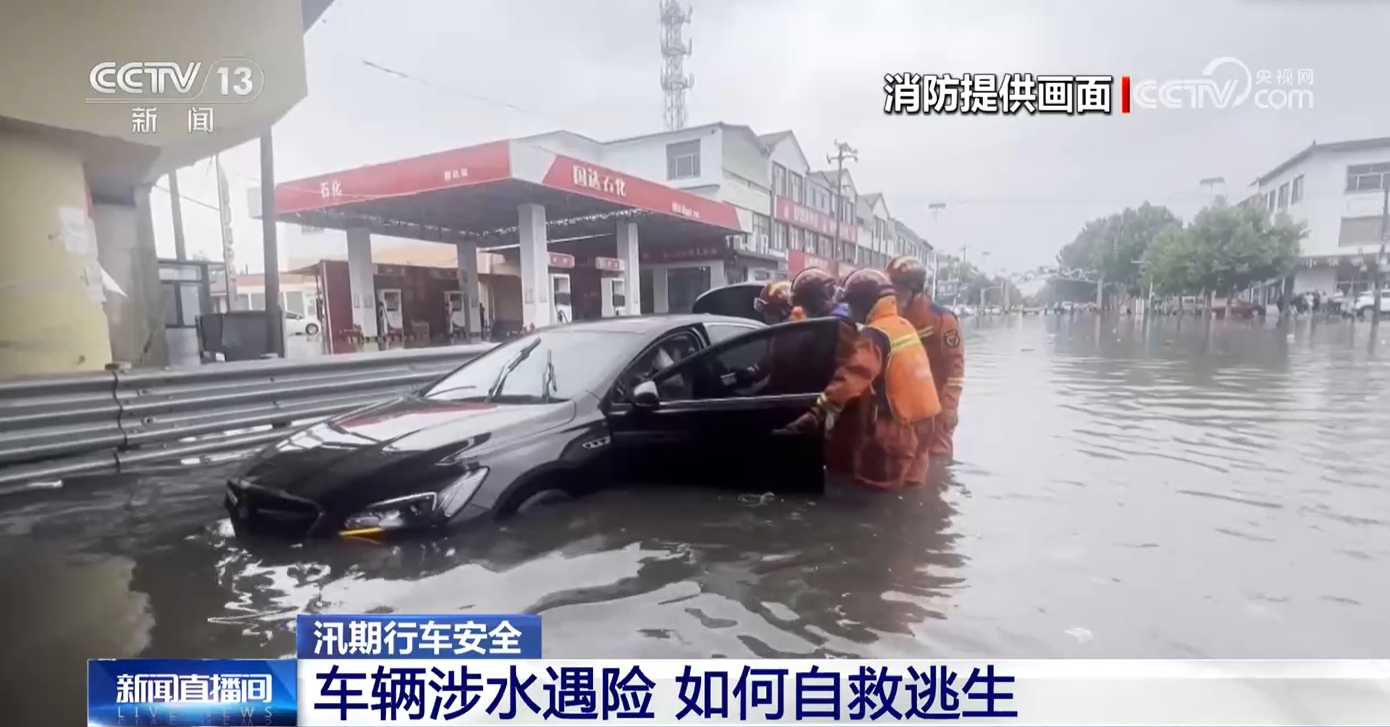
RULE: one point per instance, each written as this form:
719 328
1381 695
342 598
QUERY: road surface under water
1188 489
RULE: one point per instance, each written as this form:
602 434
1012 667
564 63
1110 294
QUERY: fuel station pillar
470 287
362 282
535 266
51 284
627 252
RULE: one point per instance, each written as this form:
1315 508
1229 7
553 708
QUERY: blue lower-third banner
191 692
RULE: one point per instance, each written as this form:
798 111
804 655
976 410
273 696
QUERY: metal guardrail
59 427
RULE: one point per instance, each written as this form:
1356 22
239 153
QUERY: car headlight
415 510
460 491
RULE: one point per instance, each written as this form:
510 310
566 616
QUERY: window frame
679 151
723 346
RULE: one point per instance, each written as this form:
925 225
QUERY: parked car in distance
558 412
1366 302
298 325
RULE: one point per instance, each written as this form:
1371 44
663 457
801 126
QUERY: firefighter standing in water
939 330
816 292
889 375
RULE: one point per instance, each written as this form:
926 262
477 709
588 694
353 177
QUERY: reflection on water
1186 489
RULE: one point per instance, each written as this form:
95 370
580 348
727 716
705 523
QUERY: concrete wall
135 321
1325 200
646 157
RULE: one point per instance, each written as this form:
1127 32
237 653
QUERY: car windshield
542 367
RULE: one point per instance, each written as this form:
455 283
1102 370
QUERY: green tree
1110 246
1225 249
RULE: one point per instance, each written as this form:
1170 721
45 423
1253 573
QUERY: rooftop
1316 148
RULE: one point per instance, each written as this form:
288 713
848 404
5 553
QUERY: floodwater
1189 489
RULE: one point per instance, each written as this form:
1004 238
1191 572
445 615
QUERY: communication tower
674 49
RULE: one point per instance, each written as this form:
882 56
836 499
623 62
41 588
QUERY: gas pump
560 297
614 293
390 301
458 314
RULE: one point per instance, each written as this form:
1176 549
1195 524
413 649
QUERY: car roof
653 323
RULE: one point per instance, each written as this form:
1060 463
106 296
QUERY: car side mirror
646 396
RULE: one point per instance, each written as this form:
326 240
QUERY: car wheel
312 329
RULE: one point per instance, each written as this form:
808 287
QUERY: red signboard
458 168
572 175
798 260
797 215
651 254
611 264
561 260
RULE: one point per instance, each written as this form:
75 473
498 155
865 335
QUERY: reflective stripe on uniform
901 342
925 331
955 382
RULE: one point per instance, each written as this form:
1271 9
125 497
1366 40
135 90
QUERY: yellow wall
49 322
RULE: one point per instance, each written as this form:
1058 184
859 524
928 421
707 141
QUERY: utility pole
843 151
224 214
936 208
176 206
1378 278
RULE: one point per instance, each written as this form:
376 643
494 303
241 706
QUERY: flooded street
1182 490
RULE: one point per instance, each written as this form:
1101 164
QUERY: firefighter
774 303
816 292
888 373
939 330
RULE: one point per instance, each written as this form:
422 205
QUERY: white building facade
725 162
1338 190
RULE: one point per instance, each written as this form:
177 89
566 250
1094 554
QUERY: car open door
710 418
731 300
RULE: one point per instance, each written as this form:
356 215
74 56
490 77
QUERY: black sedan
563 410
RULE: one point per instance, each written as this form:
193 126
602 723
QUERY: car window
564 362
660 357
293 316
720 332
792 358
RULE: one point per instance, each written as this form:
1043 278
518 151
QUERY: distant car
558 412
1032 310
1243 309
1366 302
298 325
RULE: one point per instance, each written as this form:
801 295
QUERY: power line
186 198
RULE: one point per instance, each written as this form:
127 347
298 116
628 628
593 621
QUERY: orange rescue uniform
939 330
797 314
882 392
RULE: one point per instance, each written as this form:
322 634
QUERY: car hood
392 449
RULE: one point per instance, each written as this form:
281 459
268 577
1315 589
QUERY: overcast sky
1016 187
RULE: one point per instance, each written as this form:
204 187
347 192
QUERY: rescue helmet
775 300
864 288
815 291
907 273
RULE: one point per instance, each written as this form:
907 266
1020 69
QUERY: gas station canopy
474 194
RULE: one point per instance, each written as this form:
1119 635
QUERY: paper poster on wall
93 280
76 230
